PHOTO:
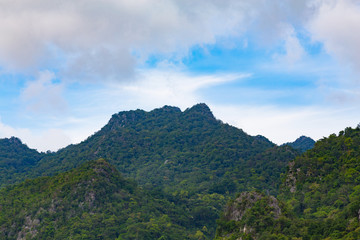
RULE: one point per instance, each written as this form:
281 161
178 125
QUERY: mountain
175 151
91 202
16 159
320 197
188 158
303 143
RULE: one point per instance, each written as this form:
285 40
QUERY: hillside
320 196
254 215
322 184
91 202
16 160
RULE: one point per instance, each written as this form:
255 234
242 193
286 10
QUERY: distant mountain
91 202
303 143
320 197
16 159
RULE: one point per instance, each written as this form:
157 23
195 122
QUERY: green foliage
16 160
320 196
91 202
302 144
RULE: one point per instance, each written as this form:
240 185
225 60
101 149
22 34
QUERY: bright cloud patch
50 139
337 26
43 95
283 125
106 39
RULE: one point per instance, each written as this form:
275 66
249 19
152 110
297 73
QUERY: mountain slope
16 159
320 196
253 215
327 175
90 202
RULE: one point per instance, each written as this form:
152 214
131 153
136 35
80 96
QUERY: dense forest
91 202
168 174
16 160
319 197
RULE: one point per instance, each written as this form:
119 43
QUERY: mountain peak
200 108
167 108
13 140
302 143
100 165
124 118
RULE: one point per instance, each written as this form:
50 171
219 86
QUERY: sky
278 68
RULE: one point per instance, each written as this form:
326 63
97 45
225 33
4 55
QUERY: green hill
91 202
16 160
320 196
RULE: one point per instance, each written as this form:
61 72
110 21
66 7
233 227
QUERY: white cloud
49 139
43 95
337 26
293 51
171 87
7 131
92 39
281 125
102 40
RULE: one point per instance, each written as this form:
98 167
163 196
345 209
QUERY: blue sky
279 68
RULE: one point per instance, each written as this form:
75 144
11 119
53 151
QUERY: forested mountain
189 159
188 150
91 202
303 143
180 169
320 197
177 151
16 160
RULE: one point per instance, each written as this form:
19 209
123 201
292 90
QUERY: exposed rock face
245 216
237 209
29 228
247 200
291 179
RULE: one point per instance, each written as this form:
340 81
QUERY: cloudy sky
279 68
